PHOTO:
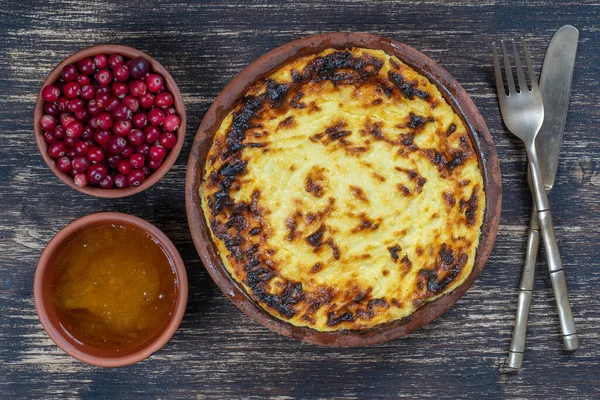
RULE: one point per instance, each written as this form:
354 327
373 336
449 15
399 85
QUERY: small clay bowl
262 67
47 313
169 82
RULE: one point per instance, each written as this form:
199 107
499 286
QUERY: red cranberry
168 140
163 100
102 100
62 103
69 73
122 128
95 154
135 177
87 134
154 82
113 161
48 122
81 164
107 182
76 105
115 60
122 113
50 93
116 145
64 164
71 154
154 164
147 100
72 90
82 115
157 152
124 167
143 149
74 129
86 66
152 134
136 137
120 181
96 173
49 137
137 88
57 149
66 118
139 120
138 67
137 161
103 91
51 109
131 102
170 111
119 89
156 116
93 108
83 80
128 151
121 73
102 137
100 61
171 123
112 104
88 92
80 179
105 121
70 141
104 77
81 148
59 132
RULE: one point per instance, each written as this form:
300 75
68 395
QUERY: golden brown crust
343 191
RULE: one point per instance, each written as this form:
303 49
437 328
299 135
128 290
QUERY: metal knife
555 84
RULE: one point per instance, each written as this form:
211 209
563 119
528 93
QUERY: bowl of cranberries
109 121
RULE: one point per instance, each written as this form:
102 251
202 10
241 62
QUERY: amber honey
114 287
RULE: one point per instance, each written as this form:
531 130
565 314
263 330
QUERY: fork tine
519 68
508 71
498 73
532 78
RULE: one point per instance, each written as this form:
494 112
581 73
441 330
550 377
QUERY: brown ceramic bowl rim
177 101
56 244
456 97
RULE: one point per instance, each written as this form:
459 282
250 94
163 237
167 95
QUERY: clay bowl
177 102
47 314
454 94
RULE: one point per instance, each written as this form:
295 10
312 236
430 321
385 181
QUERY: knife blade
555 84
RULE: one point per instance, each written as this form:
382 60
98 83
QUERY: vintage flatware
523 114
555 85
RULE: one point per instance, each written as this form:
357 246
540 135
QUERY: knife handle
557 274
517 344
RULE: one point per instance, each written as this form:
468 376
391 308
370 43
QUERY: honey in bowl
114 287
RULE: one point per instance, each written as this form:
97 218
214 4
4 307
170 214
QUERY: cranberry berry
138 67
50 93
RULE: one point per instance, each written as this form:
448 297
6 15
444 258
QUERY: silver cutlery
523 114
555 85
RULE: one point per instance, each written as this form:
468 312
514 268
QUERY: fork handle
517 344
557 274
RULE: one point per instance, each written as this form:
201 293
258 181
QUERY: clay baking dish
47 314
456 97
177 102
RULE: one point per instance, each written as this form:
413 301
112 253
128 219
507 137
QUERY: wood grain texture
218 352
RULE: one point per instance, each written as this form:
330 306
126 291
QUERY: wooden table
218 351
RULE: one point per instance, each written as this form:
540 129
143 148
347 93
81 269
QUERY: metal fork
523 114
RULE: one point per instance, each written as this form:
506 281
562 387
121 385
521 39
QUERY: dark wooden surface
218 352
